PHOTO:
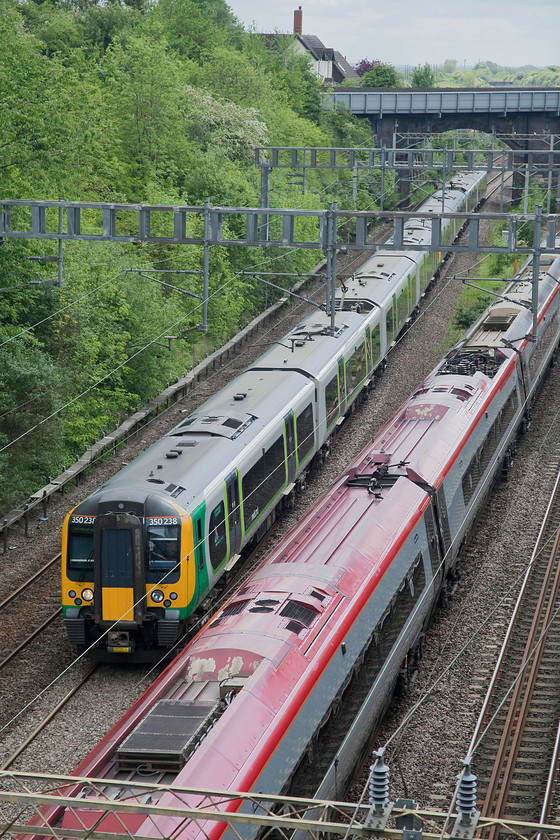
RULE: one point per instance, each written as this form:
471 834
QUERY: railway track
515 740
11 759
52 652
13 608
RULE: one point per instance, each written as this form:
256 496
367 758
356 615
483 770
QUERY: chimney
298 21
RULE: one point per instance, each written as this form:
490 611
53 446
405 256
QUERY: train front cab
127 582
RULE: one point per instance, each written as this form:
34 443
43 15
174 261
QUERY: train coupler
119 641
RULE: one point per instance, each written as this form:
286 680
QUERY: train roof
375 283
309 346
419 440
189 446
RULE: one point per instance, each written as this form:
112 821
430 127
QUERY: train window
331 399
217 535
361 362
402 308
80 547
389 323
412 290
351 375
356 369
376 345
305 432
162 553
263 481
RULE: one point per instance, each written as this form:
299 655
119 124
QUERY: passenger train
142 552
336 612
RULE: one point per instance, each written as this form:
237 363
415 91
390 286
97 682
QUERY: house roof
345 67
341 69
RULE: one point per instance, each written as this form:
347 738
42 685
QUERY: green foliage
485 73
145 91
28 385
137 102
380 76
423 77
195 27
467 313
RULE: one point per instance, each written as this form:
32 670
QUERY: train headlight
157 596
72 593
87 594
173 596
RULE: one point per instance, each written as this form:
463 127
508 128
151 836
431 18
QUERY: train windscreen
80 550
162 553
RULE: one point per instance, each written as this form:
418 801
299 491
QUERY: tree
380 76
449 66
364 65
423 77
195 27
213 122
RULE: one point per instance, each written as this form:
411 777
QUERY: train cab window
80 548
162 553
217 535
305 432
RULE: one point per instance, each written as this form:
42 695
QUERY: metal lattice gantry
288 228
416 159
409 161
32 804
326 230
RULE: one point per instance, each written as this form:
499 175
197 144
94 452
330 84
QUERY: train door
341 386
233 513
443 519
291 446
433 545
120 580
198 537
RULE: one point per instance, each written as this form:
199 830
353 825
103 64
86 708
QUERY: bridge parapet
512 111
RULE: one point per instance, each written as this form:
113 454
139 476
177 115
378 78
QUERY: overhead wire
198 624
267 262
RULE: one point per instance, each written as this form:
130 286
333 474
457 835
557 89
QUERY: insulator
466 794
379 782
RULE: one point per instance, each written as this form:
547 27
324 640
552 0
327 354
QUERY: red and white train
256 701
